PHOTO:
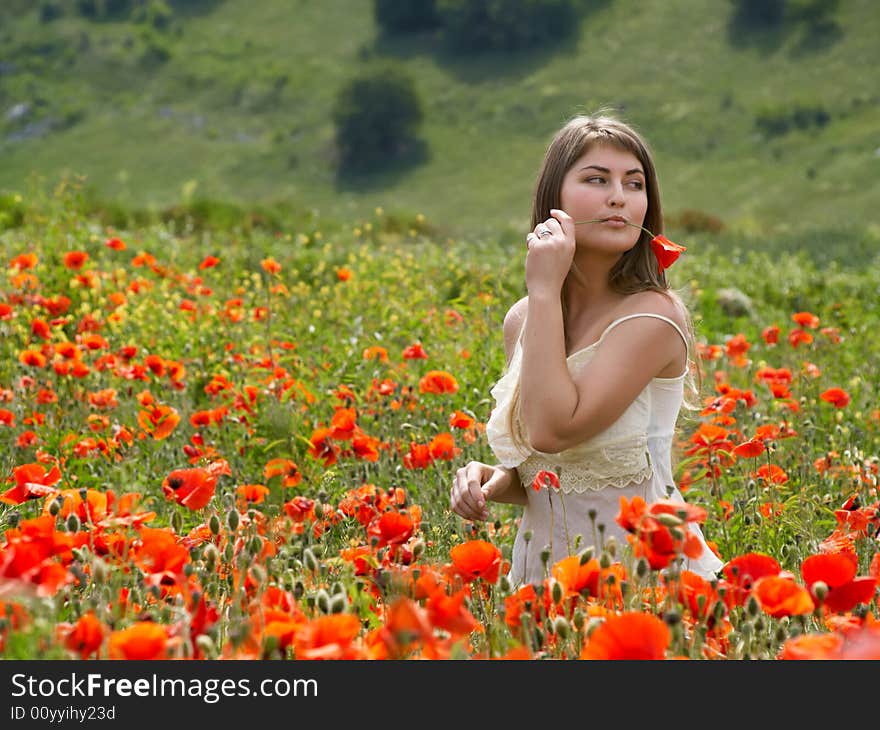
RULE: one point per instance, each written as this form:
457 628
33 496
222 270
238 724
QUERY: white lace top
616 457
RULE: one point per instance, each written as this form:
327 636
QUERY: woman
597 356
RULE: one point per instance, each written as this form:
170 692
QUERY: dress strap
646 314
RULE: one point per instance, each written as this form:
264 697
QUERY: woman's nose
615 194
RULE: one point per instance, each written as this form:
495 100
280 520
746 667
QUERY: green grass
242 112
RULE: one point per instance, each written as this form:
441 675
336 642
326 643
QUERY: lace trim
612 466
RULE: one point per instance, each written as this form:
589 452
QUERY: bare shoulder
666 304
513 323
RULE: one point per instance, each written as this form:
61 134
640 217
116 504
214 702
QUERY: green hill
231 100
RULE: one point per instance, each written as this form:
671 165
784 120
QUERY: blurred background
764 115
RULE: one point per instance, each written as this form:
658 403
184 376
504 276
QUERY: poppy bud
214 524
611 546
309 560
418 548
255 546
753 608
586 555
556 592
579 619
176 522
669 520
228 552
210 555
545 555
205 645
13 518
605 560
504 584
338 603
322 600
55 507
527 535
672 617
643 567
72 523
100 571
820 590
562 627
233 518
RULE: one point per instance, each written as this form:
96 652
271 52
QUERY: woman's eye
596 179
636 184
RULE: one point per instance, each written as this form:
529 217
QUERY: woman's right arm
477 483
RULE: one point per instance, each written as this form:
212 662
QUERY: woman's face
606 182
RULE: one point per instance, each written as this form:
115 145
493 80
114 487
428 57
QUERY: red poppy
780 596
415 351
75 259
628 636
476 559
666 252
449 613
192 488
343 274
771 334
743 570
806 319
391 528
438 381
117 244
837 397
750 449
838 572
144 640
546 480
85 636
32 481
328 637
812 646
286 469
209 262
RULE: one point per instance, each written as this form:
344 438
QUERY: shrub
756 15
394 16
474 25
377 115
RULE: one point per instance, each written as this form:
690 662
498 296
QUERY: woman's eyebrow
606 170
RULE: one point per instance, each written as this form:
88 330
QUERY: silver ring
544 232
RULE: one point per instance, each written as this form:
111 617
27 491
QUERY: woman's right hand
474 485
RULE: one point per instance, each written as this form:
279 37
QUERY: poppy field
229 446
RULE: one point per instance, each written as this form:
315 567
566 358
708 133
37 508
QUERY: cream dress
631 457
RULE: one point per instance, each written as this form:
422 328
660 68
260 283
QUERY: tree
377 115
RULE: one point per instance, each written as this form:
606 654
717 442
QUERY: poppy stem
602 220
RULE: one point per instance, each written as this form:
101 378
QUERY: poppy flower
209 262
192 488
438 381
806 319
117 244
812 646
143 640
328 637
628 636
415 351
743 570
449 613
666 251
85 636
286 469
75 259
837 397
779 596
771 334
750 449
838 572
158 421
391 528
476 559
546 480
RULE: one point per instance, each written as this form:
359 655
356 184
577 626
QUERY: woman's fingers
467 498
